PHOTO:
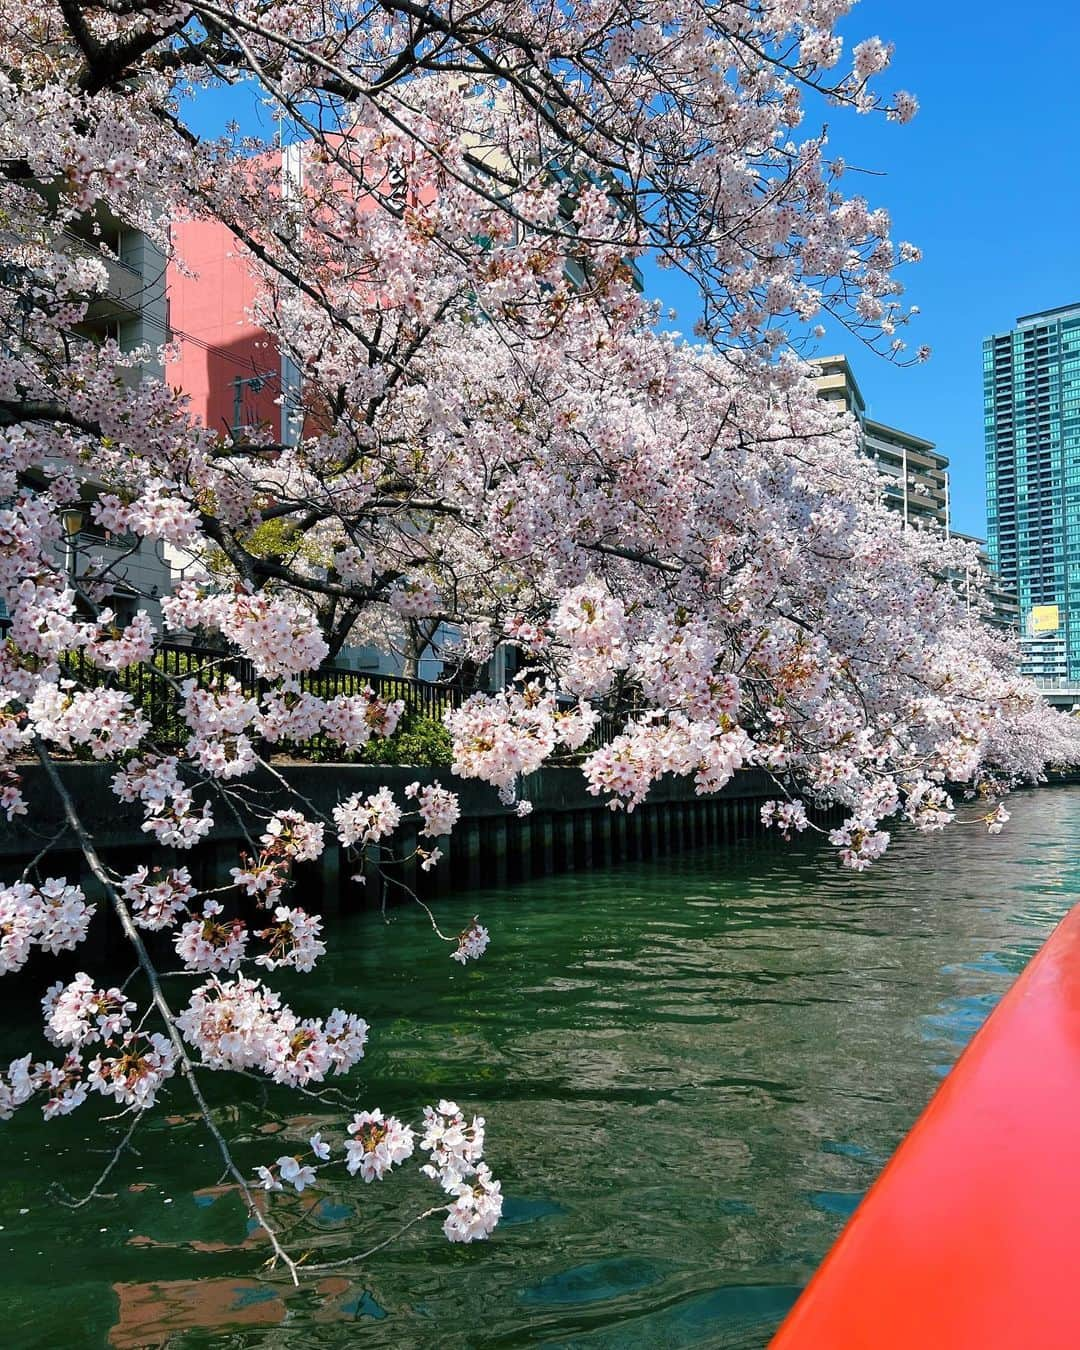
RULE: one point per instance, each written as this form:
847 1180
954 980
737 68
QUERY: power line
184 336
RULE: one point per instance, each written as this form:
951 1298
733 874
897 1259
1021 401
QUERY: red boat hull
970 1239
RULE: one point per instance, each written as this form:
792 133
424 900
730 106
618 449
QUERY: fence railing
154 685
154 688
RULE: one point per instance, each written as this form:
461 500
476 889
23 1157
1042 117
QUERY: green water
692 1069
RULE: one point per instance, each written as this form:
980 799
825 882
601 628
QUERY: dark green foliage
418 740
421 738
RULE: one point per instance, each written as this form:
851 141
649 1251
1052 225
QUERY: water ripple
692 1071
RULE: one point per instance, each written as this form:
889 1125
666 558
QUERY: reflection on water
691 1069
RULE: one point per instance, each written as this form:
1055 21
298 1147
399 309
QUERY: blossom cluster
788 817
455 1149
129 1065
366 820
293 939
472 943
501 738
105 721
438 807
53 916
78 1014
415 598
279 639
649 748
241 1024
63 1085
859 842
171 816
378 1143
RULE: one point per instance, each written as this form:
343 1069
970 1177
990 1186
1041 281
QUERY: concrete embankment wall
491 846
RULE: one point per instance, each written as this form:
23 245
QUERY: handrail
89 249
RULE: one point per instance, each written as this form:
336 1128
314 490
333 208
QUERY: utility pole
256 383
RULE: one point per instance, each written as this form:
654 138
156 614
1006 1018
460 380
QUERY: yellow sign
1044 619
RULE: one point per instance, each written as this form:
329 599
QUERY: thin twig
396 881
187 1067
32 864
95 1188
362 1256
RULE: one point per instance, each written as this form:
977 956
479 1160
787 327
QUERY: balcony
125 285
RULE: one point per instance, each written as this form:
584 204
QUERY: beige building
984 591
914 476
915 484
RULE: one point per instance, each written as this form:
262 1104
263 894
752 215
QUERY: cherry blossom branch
95 1190
187 1067
363 1256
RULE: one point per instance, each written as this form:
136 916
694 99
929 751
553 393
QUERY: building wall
147 322
914 476
1043 656
133 310
1031 389
915 484
222 353
141 576
231 369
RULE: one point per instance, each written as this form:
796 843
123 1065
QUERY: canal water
692 1069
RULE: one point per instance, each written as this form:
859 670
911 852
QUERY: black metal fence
155 685
155 690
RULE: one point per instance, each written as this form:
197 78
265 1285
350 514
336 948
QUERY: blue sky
985 181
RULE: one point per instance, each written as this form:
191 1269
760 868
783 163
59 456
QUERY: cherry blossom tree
495 440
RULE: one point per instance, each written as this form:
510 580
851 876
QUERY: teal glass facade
1031 400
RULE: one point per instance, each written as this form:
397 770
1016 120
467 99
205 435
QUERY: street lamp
72 518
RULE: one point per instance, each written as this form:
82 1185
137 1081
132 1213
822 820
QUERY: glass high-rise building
1031 400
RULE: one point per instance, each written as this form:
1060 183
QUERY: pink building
229 367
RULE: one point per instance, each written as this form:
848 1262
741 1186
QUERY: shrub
418 740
